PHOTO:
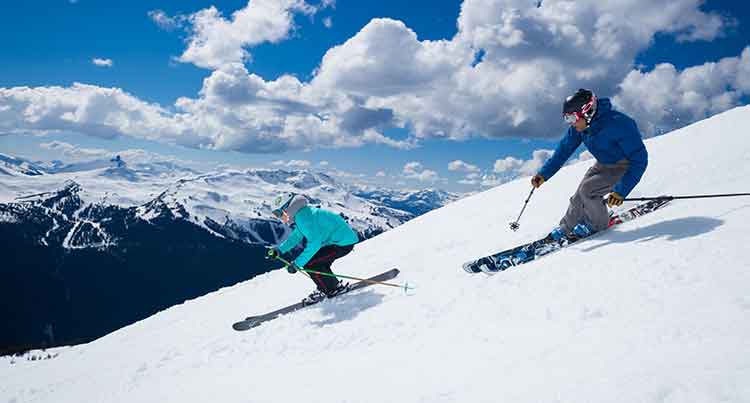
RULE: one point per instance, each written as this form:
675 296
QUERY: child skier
328 237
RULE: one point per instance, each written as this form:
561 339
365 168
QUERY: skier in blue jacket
614 140
328 238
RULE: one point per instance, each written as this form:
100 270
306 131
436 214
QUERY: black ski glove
291 268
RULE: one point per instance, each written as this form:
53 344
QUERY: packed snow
655 310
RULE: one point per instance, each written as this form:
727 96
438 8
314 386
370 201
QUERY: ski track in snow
655 310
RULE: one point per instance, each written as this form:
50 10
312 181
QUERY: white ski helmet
289 202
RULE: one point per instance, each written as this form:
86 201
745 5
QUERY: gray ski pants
587 204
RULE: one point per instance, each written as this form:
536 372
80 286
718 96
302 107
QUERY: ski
525 253
255 321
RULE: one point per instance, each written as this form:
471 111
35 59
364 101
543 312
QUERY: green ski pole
406 287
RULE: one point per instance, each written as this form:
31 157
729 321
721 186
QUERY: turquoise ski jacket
320 228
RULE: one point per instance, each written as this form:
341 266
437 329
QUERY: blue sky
397 93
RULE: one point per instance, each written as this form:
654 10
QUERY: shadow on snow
347 307
672 230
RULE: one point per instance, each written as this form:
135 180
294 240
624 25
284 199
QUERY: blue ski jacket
610 137
320 228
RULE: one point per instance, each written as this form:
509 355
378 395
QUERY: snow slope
654 311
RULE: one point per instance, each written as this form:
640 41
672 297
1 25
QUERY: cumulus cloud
507 164
415 170
294 164
509 168
518 167
73 154
243 112
473 178
585 155
102 62
472 172
92 110
327 22
164 21
461 166
665 97
504 73
532 57
216 40
235 110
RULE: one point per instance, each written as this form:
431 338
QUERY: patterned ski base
525 253
255 321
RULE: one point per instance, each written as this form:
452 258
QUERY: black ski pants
322 261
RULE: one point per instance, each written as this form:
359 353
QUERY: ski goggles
279 211
571 118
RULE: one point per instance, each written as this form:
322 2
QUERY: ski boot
582 230
315 297
340 289
556 234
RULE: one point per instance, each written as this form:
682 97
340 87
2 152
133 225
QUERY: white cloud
488 181
102 62
513 167
585 155
324 163
92 110
415 170
665 97
374 137
507 164
472 176
327 22
532 166
73 154
380 174
385 77
384 59
294 164
462 166
216 40
164 21
533 57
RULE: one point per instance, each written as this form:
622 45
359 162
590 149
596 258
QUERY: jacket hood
603 106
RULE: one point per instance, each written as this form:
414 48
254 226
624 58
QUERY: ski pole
405 286
687 197
515 224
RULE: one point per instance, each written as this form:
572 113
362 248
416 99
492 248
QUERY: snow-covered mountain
230 198
655 310
14 166
65 220
417 202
